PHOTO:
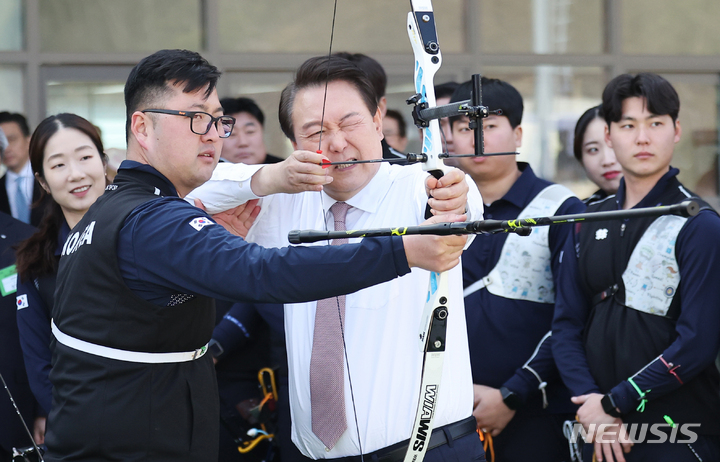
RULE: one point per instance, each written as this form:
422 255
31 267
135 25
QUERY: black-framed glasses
200 122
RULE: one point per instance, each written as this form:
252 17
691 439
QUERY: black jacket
12 366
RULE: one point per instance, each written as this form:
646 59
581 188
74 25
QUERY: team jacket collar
653 198
149 175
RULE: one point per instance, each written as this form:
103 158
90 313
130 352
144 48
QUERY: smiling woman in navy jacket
67 156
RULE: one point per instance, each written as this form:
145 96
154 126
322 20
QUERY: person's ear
42 182
382 105
678 131
141 127
518 132
608 141
377 120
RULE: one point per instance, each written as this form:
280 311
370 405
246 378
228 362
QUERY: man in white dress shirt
383 369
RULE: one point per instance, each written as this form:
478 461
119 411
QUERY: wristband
608 405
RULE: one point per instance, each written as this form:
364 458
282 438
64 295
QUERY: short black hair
237 105
402 126
372 68
317 72
444 90
496 94
660 96
580 128
19 119
148 81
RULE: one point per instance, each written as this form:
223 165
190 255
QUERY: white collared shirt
28 182
381 323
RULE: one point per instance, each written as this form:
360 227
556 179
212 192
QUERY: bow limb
428 59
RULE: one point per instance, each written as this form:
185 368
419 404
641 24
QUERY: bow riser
428 59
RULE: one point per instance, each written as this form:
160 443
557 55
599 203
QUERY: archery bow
433 322
432 329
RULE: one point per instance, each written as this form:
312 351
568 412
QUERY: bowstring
322 116
322 208
442 135
327 78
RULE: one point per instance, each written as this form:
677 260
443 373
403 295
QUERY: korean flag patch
201 222
21 301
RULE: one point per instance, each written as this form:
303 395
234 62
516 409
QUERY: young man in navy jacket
636 324
509 289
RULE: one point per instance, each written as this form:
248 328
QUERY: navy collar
165 186
519 194
653 198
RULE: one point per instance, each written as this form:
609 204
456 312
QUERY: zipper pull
622 229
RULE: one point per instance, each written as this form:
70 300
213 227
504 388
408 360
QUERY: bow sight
423 114
472 108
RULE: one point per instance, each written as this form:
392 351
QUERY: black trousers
466 448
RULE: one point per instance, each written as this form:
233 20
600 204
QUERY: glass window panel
102 103
264 88
554 98
541 26
11 25
11 89
666 27
368 26
98 26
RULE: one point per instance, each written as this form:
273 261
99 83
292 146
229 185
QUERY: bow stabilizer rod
520 226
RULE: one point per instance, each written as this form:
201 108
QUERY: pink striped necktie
327 378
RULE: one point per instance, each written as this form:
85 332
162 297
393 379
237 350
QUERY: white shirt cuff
228 187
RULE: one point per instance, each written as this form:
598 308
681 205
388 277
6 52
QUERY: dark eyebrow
347 116
317 122
310 124
78 149
633 119
54 155
203 108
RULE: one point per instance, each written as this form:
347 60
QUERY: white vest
523 271
652 275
